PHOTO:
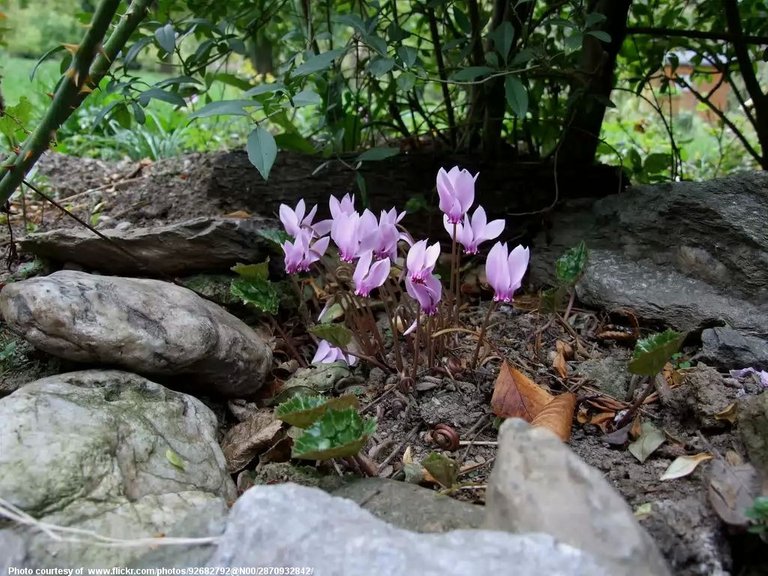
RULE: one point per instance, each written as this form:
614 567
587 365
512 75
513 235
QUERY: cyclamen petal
505 271
367 276
327 353
456 190
345 233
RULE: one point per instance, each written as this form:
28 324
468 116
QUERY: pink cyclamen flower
474 231
426 292
505 270
456 189
294 220
302 253
345 232
344 206
381 236
327 353
367 276
421 260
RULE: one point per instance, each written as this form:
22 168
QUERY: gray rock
609 374
727 349
411 507
94 450
687 253
753 427
208 522
663 295
291 525
146 326
198 245
13 551
539 485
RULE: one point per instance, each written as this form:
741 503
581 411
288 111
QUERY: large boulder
108 452
146 326
689 254
199 245
539 485
288 525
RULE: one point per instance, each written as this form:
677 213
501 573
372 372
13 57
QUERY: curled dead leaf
517 396
730 414
243 442
557 416
684 465
732 490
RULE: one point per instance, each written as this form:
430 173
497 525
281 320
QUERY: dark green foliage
652 353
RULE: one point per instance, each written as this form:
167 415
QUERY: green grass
15 83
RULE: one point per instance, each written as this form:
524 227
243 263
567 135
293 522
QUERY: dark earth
686 526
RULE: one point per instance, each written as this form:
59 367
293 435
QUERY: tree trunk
598 62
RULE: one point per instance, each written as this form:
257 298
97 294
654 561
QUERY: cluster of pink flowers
373 242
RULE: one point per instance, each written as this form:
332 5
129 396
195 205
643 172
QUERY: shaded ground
689 532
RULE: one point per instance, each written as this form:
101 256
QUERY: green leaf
653 352
574 40
646 444
261 294
258 271
571 265
406 81
303 411
657 162
265 89
225 108
338 433
376 42
317 63
276 236
407 55
503 37
380 66
600 35
231 80
174 459
166 37
15 119
43 58
306 98
160 94
594 18
517 96
138 113
471 73
378 153
294 142
337 334
443 469
262 151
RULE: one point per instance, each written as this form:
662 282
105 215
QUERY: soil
687 529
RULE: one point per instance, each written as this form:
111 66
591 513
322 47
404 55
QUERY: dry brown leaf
517 396
616 335
600 419
243 442
564 351
280 451
732 489
730 414
557 416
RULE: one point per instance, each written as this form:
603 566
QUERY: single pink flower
505 270
426 292
345 232
381 236
474 231
344 206
367 276
327 353
421 260
295 220
302 253
456 189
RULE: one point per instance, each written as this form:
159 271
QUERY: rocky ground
685 256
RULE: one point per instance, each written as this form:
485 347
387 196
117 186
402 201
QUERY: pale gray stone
198 245
539 485
96 450
291 525
147 326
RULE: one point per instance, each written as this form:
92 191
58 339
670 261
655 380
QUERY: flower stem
475 356
416 346
393 328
